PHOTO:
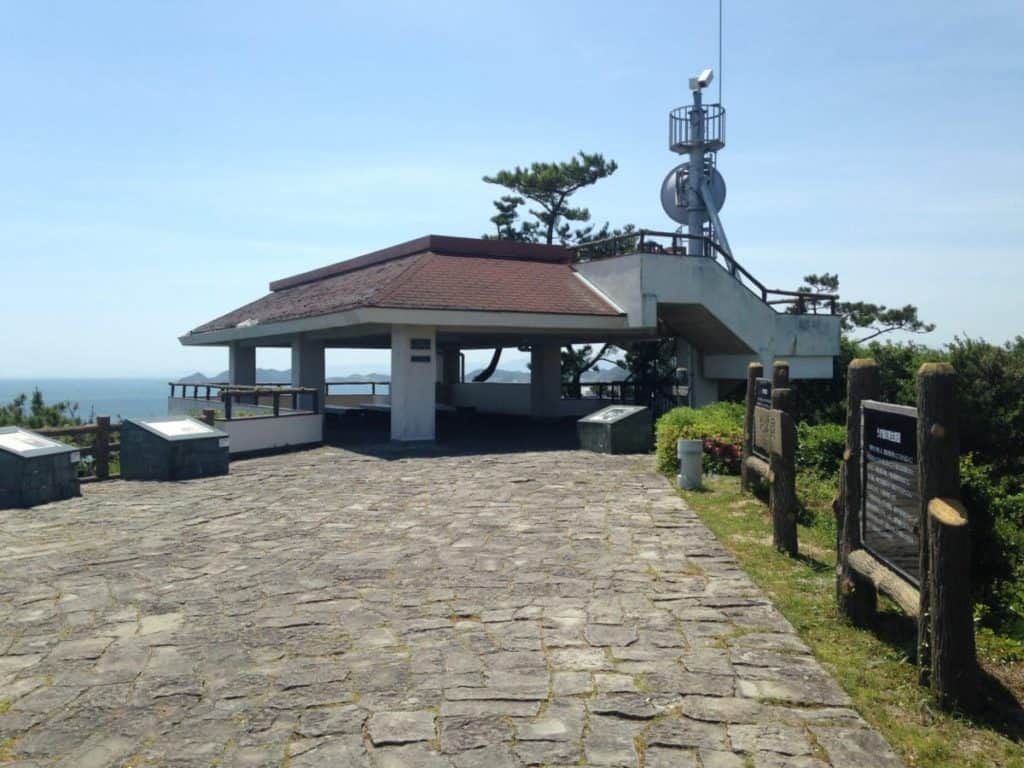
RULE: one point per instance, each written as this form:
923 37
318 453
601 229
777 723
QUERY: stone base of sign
34 480
628 432
146 456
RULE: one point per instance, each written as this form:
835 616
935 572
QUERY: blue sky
162 162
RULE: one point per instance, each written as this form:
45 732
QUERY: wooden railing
92 441
675 244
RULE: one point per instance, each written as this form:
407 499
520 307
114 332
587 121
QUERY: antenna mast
694 192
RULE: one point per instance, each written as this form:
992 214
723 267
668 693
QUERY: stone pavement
327 608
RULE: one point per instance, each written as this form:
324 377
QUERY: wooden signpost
902 530
769 449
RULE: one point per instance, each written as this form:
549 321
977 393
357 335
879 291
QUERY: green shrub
720 426
820 449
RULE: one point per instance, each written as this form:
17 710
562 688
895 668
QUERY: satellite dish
677 177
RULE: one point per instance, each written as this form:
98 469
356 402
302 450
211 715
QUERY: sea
116 398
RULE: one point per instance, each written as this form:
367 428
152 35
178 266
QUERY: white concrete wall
412 384
266 433
494 398
636 280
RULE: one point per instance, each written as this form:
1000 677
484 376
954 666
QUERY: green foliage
720 426
38 414
861 317
821 448
550 186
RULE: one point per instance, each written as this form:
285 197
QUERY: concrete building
431 298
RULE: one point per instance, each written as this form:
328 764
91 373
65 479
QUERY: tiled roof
526 279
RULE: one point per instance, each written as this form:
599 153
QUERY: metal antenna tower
694 192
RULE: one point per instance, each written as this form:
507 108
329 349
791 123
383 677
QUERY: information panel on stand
892 505
762 407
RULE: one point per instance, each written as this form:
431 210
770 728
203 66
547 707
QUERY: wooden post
754 372
856 597
938 451
209 416
782 500
227 404
780 374
277 404
953 658
101 448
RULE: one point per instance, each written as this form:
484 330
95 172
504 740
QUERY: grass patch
874 667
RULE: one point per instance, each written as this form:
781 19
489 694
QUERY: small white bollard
691 454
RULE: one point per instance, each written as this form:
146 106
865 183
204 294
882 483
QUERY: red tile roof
449 274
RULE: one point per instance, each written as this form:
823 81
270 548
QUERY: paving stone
771 737
459 734
665 757
408 756
537 604
401 727
852 747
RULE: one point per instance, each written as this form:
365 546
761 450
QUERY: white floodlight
701 81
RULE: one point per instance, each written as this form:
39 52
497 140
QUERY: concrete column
703 391
447 374
308 367
413 379
241 364
545 380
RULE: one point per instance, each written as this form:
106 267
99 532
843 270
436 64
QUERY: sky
162 162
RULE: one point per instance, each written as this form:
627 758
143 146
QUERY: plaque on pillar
617 429
35 469
177 448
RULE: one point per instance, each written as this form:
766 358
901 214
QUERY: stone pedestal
176 448
35 469
617 429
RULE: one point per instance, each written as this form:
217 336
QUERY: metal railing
348 383
680 127
675 244
619 391
266 399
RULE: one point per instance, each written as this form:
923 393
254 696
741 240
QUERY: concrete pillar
545 380
447 374
308 367
413 379
703 391
241 364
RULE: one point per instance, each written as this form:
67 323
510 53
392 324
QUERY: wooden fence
95 440
940 601
769 449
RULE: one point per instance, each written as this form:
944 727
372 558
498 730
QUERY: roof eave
484 319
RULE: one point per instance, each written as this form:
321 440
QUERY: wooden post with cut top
782 499
938 450
780 374
954 665
754 372
101 448
856 596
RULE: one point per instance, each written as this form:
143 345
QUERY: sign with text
763 393
892 506
762 423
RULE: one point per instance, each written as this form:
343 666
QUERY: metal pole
695 219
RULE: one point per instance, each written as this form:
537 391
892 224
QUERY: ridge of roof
449 246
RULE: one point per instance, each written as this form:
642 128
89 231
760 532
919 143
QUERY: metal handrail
641 241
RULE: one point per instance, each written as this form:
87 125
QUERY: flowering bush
719 426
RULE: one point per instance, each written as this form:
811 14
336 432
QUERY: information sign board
892 506
762 412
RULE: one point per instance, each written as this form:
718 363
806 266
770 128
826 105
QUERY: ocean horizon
118 398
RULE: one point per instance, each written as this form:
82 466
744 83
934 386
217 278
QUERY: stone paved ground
328 608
